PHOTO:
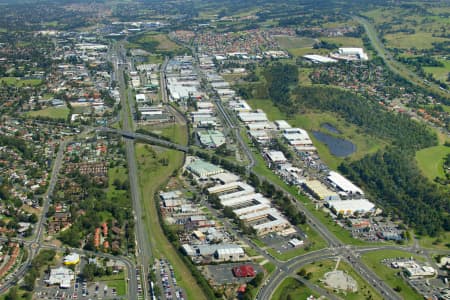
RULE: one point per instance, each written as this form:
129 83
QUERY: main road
396 66
143 246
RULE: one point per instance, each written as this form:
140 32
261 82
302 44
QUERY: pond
330 128
338 147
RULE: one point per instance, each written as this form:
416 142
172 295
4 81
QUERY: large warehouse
343 184
350 207
203 169
319 191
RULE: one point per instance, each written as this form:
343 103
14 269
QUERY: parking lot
166 277
281 243
79 290
223 274
428 287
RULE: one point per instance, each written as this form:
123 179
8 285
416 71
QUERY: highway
394 65
143 246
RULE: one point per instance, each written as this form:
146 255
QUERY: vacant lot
19 82
51 112
344 41
440 73
154 42
288 42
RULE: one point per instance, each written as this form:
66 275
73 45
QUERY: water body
338 147
330 128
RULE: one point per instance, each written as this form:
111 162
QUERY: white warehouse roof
343 183
349 207
319 58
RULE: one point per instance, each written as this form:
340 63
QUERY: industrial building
250 209
240 106
225 177
319 191
211 138
275 157
350 207
343 184
231 188
203 169
61 276
297 137
350 54
266 221
282 124
218 252
245 200
252 117
319 59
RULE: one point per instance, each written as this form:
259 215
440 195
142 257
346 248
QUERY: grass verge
430 161
50 112
152 175
291 288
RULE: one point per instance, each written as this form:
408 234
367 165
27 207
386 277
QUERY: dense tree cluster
401 188
45 257
398 128
281 78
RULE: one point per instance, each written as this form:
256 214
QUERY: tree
302 272
89 271
257 280
12 294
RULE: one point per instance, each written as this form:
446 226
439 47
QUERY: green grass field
288 42
344 41
439 73
303 51
318 270
291 288
389 275
419 40
114 281
50 112
152 175
120 173
269 267
430 161
19 82
160 41
422 26
441 242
